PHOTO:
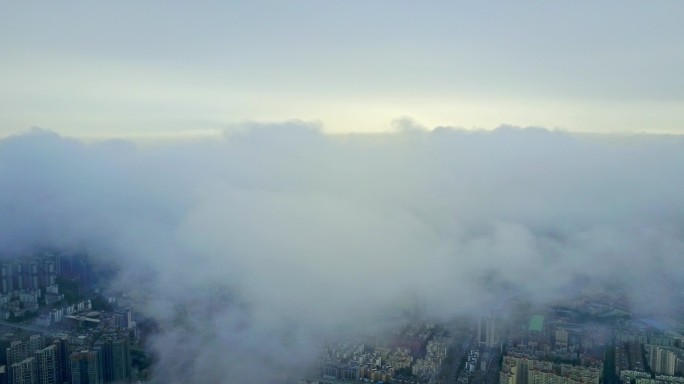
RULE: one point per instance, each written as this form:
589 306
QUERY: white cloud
311 233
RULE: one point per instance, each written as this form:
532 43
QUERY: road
27 327
460 346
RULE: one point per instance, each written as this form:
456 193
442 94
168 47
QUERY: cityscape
341 192
588 340
59 326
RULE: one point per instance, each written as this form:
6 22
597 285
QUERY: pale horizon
125 69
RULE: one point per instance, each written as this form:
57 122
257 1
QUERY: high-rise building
50 270
47 365
115 357
19 277
35 342
7 277
3 374
33 275
662 360
487 331
124 319
24 372
121 359
16 352
62 356
561 338
19 350
85 367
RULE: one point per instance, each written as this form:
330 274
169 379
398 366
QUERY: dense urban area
61 325
588 340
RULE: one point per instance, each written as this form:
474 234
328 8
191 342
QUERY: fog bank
257 246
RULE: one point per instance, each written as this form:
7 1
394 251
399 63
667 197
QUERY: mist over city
273 238
334 192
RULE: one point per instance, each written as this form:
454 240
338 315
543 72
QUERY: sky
139 69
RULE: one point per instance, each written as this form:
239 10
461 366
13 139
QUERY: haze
274 174
309 234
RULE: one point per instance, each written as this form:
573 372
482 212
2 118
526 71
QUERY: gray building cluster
523 370
356 362
412 354
657 343
93 358
436 351
24 283
27 274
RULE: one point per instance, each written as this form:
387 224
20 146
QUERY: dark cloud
257 246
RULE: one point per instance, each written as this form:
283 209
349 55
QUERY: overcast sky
129 68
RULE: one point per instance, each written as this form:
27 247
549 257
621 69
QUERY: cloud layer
257 246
